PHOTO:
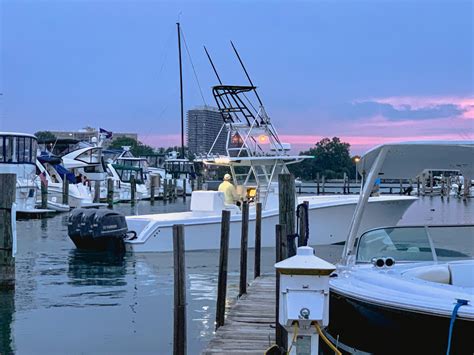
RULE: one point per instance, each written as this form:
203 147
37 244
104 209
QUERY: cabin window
10 149
21 149
34 149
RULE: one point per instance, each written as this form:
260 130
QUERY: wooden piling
281 337
110 193
175 189
401 187
287 201
152 189
303 235
243 249
184 188
96 191
323 183
133 189
179 324
317 183
223 264
65 190
7 260
44 194
258 240
344 184
199 182
165 189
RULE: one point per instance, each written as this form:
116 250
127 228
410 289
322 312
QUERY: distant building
87 133
203 126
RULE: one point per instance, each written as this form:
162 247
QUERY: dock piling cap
305 263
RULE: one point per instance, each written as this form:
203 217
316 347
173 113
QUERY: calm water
80 303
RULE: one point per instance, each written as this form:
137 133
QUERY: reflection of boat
255 158
398 288
18 156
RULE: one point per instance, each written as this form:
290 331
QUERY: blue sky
367 71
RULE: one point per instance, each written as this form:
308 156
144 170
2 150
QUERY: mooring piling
65 190
7 259
133 189
152 189
243 248
179 324
110 193
281 253
286 202
96 191
223 264
44 194
258 240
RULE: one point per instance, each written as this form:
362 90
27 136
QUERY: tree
331 159
136 147
45 136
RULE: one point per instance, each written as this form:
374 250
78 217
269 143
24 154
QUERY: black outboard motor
98 230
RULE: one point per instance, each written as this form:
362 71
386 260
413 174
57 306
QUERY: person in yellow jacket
230 194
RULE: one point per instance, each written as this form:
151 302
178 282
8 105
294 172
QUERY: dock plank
250 322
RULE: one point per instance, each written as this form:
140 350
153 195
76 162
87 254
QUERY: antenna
245 70
212 64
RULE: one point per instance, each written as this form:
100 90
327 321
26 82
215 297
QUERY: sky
368 72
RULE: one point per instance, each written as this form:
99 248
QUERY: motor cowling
98 230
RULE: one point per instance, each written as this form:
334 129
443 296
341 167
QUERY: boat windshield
418 243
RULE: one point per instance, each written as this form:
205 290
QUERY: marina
300 182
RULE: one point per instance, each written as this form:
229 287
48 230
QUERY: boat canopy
409 159
62 171
254 160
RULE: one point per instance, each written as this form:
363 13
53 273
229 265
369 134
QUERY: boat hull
382 330
329 224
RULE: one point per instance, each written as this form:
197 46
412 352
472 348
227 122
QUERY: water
72 302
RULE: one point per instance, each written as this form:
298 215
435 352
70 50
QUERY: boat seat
432 273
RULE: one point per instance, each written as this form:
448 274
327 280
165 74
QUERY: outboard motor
98 230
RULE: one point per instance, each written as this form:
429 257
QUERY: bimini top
409 159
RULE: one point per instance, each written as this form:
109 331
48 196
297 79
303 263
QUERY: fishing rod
212 64
246 73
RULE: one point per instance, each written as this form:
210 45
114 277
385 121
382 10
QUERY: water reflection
7 309
96 269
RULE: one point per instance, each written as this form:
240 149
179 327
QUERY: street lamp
356 160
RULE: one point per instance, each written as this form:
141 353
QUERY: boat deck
250 322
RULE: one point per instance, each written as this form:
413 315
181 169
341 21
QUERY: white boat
255 157
18 156
120 170
399 289
79 195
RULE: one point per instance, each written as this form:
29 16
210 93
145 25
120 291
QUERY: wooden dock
250 322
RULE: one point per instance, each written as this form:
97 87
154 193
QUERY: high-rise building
203 126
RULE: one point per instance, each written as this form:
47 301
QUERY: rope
326 340
453 318
192 65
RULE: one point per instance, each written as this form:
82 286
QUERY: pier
250 323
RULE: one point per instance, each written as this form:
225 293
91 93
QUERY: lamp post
356 160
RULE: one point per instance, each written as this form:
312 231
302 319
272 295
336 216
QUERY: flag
108 134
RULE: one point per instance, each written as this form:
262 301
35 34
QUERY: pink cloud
160 140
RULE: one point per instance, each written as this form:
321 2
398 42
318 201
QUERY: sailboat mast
181 90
